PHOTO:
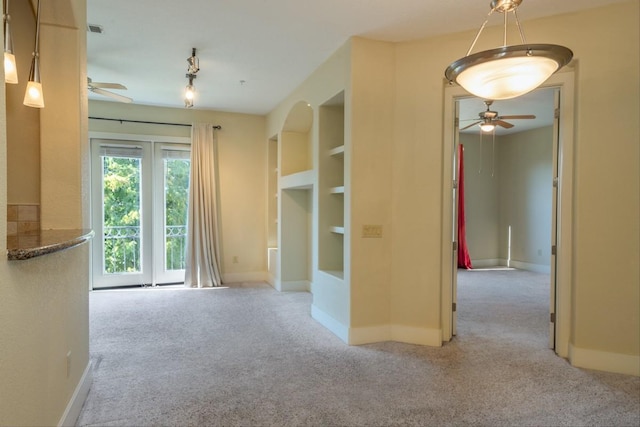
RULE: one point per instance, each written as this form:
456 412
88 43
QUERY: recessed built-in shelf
297 181
337 190
337 230
337 151
336 273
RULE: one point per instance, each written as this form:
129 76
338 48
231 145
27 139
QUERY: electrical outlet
372 231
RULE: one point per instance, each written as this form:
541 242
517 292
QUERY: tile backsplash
22 218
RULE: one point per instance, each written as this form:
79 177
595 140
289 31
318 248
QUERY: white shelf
336 230
335 273
297 181
337 151
337 190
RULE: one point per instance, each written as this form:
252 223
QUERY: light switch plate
372 231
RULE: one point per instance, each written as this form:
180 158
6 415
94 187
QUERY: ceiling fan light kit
508 71
488 119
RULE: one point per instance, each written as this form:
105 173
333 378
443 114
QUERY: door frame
563 81
142 139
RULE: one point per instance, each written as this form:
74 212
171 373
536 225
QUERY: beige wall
242 151
372 122
606 282
525 176
44 301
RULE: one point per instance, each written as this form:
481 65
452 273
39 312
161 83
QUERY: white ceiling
271 45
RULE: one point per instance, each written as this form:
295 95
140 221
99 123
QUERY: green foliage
176 199
121 196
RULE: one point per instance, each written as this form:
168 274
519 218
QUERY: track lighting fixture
507 71
33 96
194 67
10 70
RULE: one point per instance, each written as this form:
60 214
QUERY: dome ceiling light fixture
508 71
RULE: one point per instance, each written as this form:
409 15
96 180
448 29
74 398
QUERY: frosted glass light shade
508 72
33 96
487 127
10 70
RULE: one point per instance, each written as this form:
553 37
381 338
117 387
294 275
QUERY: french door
139 203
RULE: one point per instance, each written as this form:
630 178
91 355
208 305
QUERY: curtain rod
218 127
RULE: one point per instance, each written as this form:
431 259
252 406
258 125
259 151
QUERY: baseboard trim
604 361
295 286
484 263
252 276
536 268
337 328
397 333
72 411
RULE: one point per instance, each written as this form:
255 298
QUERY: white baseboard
520 265
536 268
397 333
604 361
252 276
72 411
295 286
340 330
485 263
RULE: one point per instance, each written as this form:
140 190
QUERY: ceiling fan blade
522 116
111 95
103 85
503 124
472 124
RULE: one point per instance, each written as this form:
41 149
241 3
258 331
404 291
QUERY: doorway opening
139 193
512 245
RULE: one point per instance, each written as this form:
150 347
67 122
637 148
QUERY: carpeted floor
250 356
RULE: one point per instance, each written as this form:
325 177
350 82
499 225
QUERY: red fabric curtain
464 261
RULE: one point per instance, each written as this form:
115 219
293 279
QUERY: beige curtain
203 248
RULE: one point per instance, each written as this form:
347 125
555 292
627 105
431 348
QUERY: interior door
554 222
171 197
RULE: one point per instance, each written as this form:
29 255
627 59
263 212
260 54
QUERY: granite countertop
42 242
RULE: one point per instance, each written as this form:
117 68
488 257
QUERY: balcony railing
175 243
122 248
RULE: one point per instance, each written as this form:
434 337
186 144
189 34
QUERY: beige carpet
250 356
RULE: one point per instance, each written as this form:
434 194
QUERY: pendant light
507 71
10 70
33 96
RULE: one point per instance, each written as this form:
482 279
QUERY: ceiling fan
99 88
490 119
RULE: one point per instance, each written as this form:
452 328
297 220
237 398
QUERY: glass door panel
120 212
173 165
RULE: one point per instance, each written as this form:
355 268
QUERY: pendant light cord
37 44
